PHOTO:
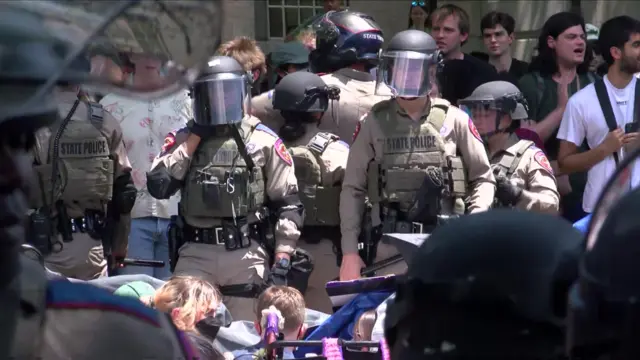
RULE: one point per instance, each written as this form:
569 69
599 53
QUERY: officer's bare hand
351 266
614 141
630 138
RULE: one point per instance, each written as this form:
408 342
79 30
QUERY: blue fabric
149 240
265 128
65 294
340 324
583 224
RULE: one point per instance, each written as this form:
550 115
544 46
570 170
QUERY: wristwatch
279 271
282 263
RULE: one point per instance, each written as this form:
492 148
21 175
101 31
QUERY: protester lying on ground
188 299
290 303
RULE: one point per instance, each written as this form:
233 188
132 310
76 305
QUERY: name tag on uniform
83 148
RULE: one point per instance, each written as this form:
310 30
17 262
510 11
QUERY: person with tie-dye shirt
145 125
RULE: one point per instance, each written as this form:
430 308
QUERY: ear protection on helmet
327 34
327 51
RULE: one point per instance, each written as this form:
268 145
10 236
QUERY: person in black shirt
461 73
498 35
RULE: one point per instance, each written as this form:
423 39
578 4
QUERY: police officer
524 178
475 291
603 307
56 320
231 171
347 47
320 158
81 166
409 143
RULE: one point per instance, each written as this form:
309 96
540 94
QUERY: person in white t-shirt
584 119
145 125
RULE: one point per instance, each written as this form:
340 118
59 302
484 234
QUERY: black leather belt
209 236
405 227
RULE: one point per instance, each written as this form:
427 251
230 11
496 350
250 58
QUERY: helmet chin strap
485 137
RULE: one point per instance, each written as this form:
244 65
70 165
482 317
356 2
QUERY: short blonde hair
288 301
307 37
246 51
190 294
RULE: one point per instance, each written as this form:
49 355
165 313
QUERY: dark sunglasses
416 3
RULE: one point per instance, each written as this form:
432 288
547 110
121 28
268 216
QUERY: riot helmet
344 38
302 98
604 312
178 37
489 102
222 93
408 65
486 286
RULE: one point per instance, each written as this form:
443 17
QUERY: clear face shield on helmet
407 73
221 99
170 38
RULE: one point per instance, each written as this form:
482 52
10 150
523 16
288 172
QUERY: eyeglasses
416 3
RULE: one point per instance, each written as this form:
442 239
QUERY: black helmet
303 91
302 98
604 311
408 65
344 38
486 286
500 96
222 93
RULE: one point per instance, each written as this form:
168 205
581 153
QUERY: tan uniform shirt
534 175
334 157
460 137
113 133
277 167
357 97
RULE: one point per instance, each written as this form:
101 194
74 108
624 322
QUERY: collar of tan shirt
403 112
510 146
355 74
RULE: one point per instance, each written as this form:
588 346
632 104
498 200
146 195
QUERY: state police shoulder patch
170 140
265 128
474 130
282 152
543 161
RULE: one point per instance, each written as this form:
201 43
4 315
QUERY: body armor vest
410 153
77 165
320 198
219 184
506 164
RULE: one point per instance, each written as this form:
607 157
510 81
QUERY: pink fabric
384 349
528 134
331 349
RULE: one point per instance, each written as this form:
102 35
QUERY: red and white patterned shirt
145 124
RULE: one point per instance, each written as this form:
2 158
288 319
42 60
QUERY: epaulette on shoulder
382 105
441 102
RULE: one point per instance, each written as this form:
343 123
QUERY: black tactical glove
201 130
506 192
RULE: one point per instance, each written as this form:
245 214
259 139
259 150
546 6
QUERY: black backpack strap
607 110
636 106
